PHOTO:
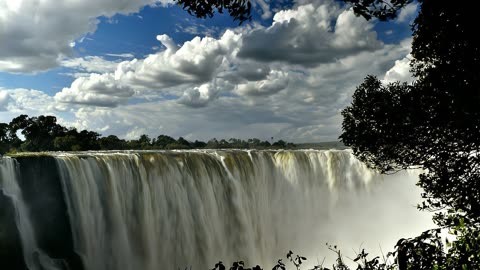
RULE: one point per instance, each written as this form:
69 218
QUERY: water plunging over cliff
173 209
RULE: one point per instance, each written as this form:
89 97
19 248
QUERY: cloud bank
288 80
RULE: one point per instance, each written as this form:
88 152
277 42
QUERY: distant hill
321 145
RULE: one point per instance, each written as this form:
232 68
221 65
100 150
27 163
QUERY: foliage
362 261
433 124
42 133
240 10
381 9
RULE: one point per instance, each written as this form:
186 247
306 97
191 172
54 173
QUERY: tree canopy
43 133
432 123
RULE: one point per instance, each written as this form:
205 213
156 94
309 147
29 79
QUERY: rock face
175 209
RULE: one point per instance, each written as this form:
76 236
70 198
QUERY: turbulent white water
170 210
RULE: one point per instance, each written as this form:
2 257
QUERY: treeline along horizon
43 133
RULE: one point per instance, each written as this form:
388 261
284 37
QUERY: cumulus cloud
195 62
400 71
97 89
4 99
291 83
309 35
199 96
25 101
242 71
273 83
306 109
37 35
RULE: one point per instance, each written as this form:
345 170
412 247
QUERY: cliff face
174 209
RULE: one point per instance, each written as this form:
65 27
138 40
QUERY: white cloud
265 6
121 55
197 61
4 100
400 71
97 89
407 13
14 102
91 64
273 83
309 35
306 109
196 29
300 74
37 35
199 96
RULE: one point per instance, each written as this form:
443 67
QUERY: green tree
5 142
65 143
39 131
144 141
432 123
213 144
199 144
88 140
163 140
112 142
279 144
183 143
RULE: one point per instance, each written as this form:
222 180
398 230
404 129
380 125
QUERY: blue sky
129 67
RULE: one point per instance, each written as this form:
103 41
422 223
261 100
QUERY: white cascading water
34 258
176 209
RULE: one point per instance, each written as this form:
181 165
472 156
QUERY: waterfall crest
176 209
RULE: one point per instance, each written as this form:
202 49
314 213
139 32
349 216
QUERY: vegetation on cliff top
43 133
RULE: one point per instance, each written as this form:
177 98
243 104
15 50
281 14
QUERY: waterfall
175 209
34 257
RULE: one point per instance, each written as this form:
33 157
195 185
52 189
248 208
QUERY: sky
132 67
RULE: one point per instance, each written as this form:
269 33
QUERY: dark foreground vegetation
43 133
432 123
295 262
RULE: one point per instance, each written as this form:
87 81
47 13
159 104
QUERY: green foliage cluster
240 10
383 10
43 133
432 123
